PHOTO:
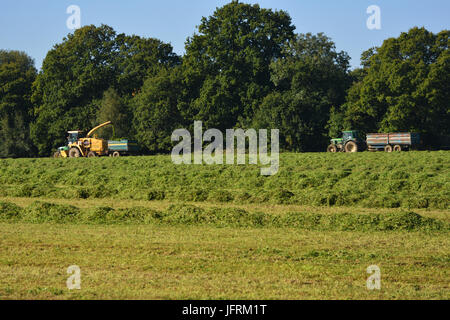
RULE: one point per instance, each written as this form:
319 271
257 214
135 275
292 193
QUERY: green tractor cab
350 141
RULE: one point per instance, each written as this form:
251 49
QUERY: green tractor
351 141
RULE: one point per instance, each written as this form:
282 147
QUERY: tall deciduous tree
406 87
227 62
17 73
139 58
158 109
74 75
112 108
76 72
311 79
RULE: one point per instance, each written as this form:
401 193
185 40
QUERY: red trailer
392 141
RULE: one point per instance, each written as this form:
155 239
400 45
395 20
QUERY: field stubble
141 227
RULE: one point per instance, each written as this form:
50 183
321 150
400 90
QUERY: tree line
243 67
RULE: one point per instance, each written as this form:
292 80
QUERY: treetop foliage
405 86
17 73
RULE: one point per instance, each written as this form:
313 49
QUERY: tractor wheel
57 154
398 148
74 153
116 154
388 148
351 146
92 154
332 148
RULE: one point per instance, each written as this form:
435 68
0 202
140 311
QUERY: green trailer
117 148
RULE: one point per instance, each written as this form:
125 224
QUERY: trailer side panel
123 146
379 140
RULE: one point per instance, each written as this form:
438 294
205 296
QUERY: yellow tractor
84 147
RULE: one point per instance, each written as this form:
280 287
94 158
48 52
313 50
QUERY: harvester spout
98 127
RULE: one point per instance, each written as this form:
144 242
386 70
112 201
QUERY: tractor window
73 137
347 136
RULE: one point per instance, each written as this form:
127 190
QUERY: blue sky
35 26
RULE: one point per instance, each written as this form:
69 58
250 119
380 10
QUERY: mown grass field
143 228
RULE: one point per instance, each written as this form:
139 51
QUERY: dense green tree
226 65
17 73
112 108
139 58
310 80
243 67
405 87
158 109
76 72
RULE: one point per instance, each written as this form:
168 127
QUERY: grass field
372 180
143 228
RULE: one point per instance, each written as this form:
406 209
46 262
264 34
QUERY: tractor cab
73 136
349 142
350 135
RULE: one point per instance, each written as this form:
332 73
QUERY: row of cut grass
409 180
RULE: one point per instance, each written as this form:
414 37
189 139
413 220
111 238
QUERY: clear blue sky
35 26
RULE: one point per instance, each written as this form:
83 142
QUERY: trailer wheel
116 154
388 148
331 148
91 154
351 146
398 148
74 153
